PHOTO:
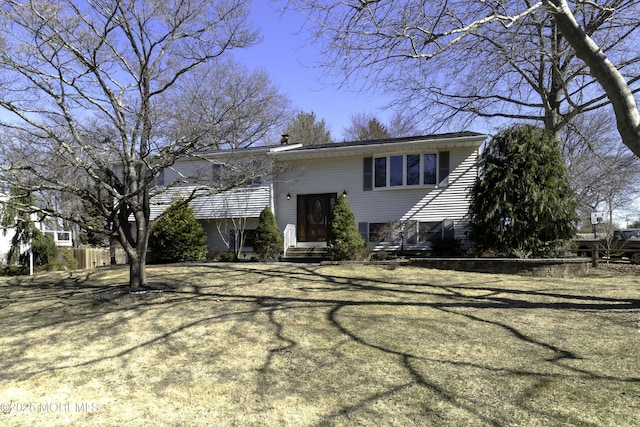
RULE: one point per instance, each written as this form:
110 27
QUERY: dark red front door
313 216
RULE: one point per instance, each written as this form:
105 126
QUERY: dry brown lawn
252 344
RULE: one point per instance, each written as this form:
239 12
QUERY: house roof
436 142
246 153
443 136
387 145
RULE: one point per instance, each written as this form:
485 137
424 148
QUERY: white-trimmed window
408 232
409 170
428 231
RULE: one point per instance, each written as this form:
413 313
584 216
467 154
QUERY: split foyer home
404 192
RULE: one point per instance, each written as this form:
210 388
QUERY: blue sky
289 63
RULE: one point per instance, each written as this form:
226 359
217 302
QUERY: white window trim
404 185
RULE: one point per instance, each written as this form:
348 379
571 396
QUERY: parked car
621 243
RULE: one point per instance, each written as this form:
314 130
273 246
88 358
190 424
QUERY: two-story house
403 192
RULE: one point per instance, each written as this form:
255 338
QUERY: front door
313 216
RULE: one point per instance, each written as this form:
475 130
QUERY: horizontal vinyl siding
214 240
451 202
313 177
202 170
188 168
339 174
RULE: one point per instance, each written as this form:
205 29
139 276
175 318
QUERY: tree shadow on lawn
353 311
457 302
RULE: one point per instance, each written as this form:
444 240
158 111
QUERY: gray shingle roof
390 140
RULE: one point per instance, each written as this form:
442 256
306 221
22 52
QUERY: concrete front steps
306 255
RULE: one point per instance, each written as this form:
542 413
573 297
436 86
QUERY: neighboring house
404 192
61 238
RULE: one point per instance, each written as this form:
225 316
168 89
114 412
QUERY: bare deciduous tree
602 172
403 123
234 107
366 126
544 61
232 228
98 89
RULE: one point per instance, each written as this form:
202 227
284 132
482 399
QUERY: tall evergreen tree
344 241
521 202
96 227
178 236
305 129
365 127
268 241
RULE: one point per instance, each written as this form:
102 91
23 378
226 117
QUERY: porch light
344 193
288 196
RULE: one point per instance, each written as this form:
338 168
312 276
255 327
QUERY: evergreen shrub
178 236
521 203
44 249
268 241
344 241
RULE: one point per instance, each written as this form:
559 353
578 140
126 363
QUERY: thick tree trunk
134 238
607 75
137 272
138 262
136 250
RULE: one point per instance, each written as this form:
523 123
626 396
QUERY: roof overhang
425 144
248 152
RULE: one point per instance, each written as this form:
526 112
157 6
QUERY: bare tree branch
459 60
97 91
